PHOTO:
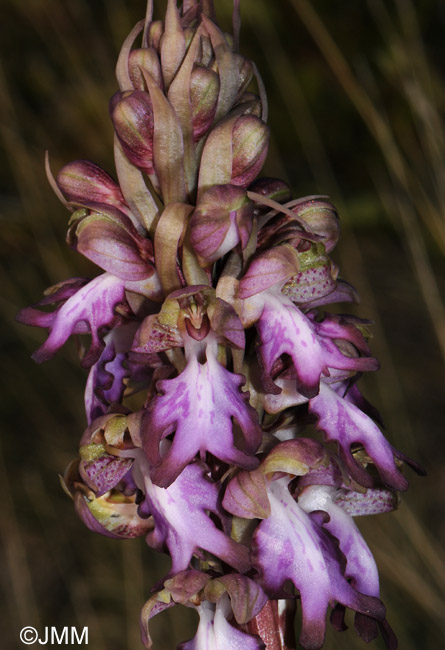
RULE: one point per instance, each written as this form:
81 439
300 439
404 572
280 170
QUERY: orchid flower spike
209 312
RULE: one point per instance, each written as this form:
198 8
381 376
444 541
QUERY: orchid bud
271 188
204 91
155 32
251 104
316 276
132 116
84 182
250 141
245 74
222 219
206 51
144 60
109 240
322 218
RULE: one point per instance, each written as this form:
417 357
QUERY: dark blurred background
356 111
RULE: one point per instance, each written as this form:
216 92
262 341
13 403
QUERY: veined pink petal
180 514
291 545
198 406
347 424
88 310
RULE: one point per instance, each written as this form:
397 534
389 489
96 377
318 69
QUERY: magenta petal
198 406
347 424
284 329
105 383
290 545
180 513
88 310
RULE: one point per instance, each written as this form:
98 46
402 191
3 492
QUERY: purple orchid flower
213 395
86 307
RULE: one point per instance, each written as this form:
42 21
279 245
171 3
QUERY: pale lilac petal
344 422
216 633
88 310
290 545
360 563
180 513
198 406
284 329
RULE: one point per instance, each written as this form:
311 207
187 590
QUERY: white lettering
46 638
80 639
63 638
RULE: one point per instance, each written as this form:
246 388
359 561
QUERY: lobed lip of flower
292 545
216 633
344 422
198 406
284 329
182 523
86 307
105 383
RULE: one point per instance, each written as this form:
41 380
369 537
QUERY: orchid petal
88 310
347 424
290 545
198 406
216 633
180 514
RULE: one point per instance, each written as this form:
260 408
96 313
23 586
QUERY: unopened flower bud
133 121
245 74
140 60
109 239
204 91
222 219
82 181
251 104
250 140
322 218
155 32
271 188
